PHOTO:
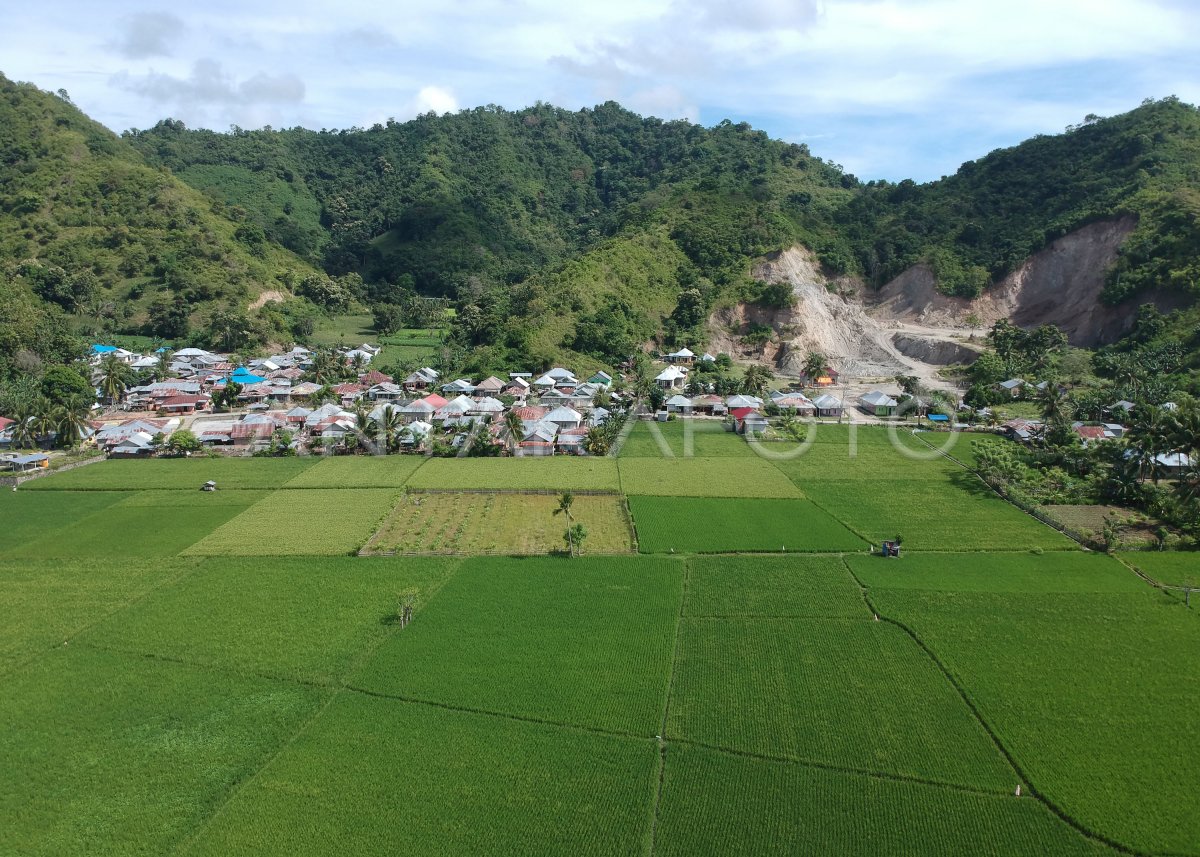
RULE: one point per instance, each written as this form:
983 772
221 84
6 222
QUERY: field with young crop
900 460
959 514
510 524
740 806
1095 695
683 439
301 618
560 473
109 753
1175 568
377 776
26 516
143 524
585 642
184 474
836 692
313 522
199 673
799 587
358 471
726 525
45 602
704 477
1053 571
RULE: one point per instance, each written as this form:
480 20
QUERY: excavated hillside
1059 285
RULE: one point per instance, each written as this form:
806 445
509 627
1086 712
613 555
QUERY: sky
888 89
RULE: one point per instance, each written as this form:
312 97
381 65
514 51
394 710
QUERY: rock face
1059 285
821 320
938 352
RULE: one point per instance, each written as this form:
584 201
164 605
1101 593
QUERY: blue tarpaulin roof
103 349
939 418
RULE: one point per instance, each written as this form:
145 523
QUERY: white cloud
853 73
434 99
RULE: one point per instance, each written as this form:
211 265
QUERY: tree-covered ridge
985 220
499 194
88 226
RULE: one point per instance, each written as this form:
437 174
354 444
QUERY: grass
512 524
1176 568
358 471
585 642
186 474
380 776
48 601
28 516
1089 521
1095 694
1056 571
105 753
837 692
303 619
719 525
794 586
684 439
315 522
704 477
143 525
900 461
559 473
715 803
957 515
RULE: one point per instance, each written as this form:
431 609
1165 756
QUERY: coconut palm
114 378
1149 435
390 426
1056 407
365 428
71 421
756 379
814 365
515 428
564 508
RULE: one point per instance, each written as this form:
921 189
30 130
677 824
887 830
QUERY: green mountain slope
88 226
558 233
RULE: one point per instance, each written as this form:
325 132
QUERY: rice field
508 524
583 642
182 474
558 473
728 525
835 692
961 514
684 439
704 477
358 471
321 522
1094 693
199 673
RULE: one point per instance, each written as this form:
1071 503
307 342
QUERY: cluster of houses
556 409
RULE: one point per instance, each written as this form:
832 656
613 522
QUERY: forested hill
981 223
91 230
554 231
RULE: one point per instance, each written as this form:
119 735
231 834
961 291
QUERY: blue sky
888 88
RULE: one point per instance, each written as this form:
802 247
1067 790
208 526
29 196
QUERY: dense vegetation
556 235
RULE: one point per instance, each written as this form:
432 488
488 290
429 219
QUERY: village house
1013 387
683 357
828 406
671 378
878 403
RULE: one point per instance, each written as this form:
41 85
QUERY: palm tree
390 425
366 429
564 509
814 365
114 378
41 420
71 421
1056 407
1149 435
515 427
756 379
163 369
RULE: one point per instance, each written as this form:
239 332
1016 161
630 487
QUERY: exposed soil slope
1059 285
